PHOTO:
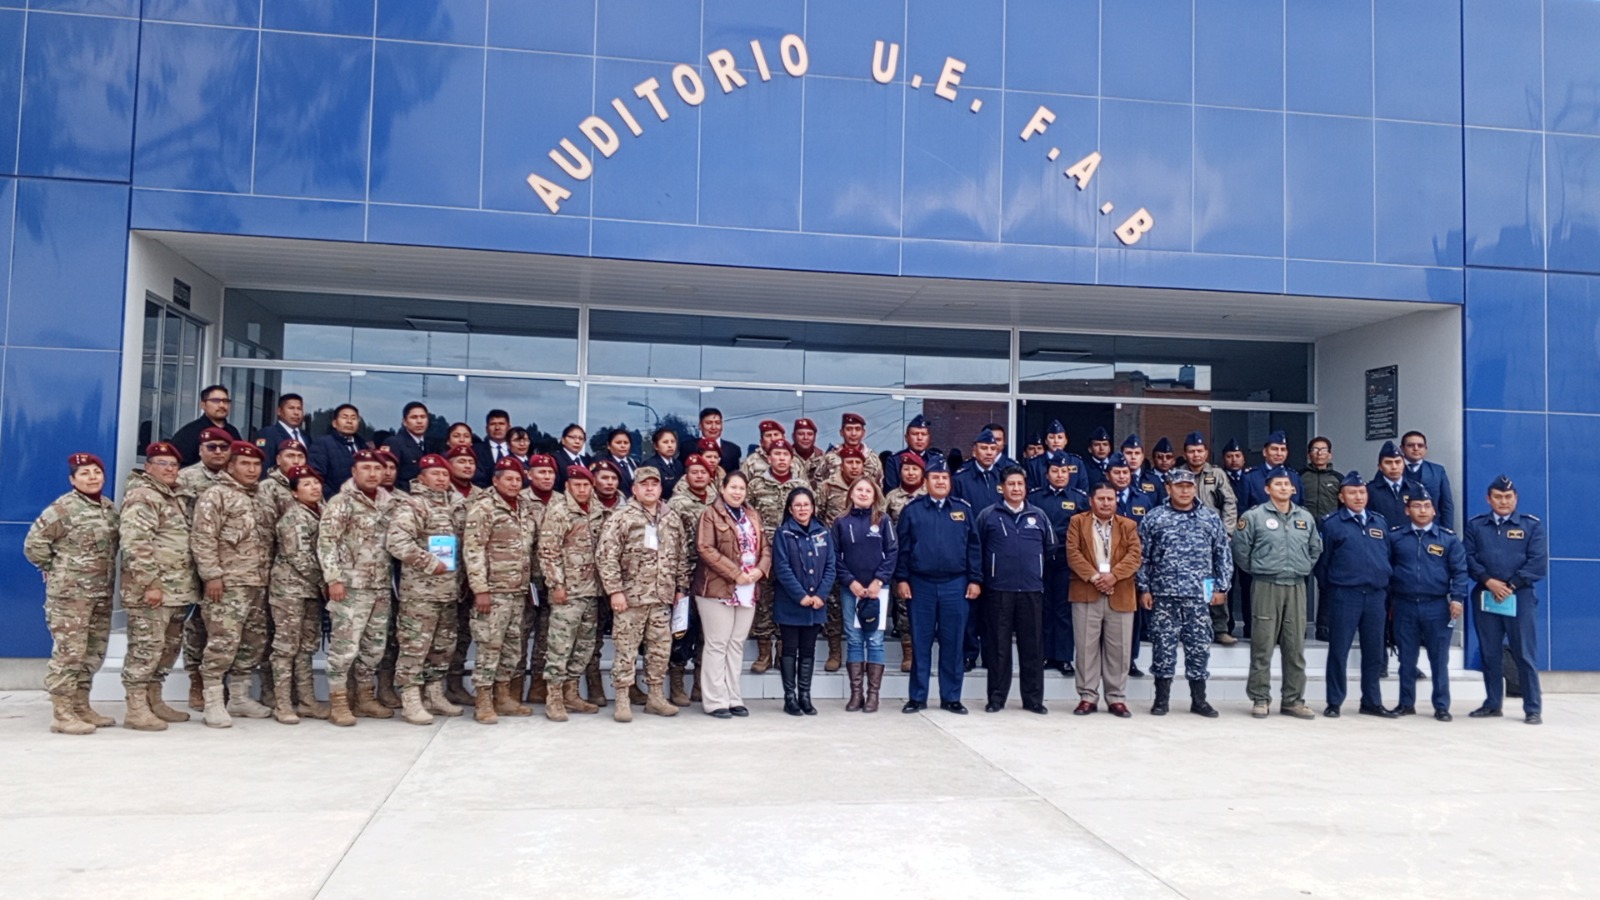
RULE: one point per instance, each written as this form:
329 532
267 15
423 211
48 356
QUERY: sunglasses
214 446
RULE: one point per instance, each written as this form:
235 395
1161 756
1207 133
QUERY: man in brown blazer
1103 553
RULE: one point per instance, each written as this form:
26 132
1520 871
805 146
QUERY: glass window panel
523 353
541 406
641 409
393 347
320 343
1153 422
1177 368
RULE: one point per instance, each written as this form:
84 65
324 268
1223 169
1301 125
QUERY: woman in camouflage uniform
295 595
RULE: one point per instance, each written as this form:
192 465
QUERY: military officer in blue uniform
1014 536
1428 588
1055 442
1386 492
1144 478
1431 475
978 483
919 440
1353 581
1274 455
1060 502
1096 464
1163 459
1507 556
1239 599
939 573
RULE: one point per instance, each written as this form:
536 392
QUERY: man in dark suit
1431 475
493 446
289 427
214 406
711 427
410 443
333 454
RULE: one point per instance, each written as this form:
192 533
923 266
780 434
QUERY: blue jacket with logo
866 552
1014 547
938 541
1430 563
1354 554
1514 551
803 565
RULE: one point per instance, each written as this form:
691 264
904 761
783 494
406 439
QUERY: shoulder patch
261 442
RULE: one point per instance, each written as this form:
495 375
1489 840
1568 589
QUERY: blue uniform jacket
268 440
671 471
1095 471
1514 551
1381 499
1254 487
1135 504
891 472
1432 476
979 488
803 565
334 457
1354 554
938 541
1059 507
1038 470
1014 546
1430 563
866 552
1151 482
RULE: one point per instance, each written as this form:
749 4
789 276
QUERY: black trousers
1018 615
799 641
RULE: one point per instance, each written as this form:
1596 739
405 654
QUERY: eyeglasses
162 463
214 446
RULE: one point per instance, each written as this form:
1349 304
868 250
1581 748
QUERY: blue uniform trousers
1423 623
1523 633
938 609
1352 611
972 639
1057 612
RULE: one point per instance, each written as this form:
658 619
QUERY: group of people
233 554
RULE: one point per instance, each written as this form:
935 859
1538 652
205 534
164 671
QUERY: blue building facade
1433 151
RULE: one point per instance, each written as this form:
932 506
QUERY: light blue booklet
1506 607
443 547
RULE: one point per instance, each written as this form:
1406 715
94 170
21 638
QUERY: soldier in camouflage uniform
538 494
74 545
231 539
757 462
295 597
158 585
1184 548
912 470
275 487
809 459
566 548
769 496
852 428
692 495
429 588
643 567
463 462
497 545
611 499
356 569
391 647
193 481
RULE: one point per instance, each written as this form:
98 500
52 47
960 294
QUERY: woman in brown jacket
1103 553
733 559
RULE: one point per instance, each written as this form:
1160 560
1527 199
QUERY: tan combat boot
537 689
834 657
454 692
675 686
571 700
622 711
506 704
80 705
305 682
64 720
282 695
158 706
339 707
367 702
763 656
197 692
636 696
597 685
484 706
216 708
434 700
905 652
554 709
411 706
656 702
239 702
139 717
386 692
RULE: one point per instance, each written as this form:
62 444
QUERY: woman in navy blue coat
803 567
867 551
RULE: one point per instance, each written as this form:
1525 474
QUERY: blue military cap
1117 461
1277 437
1194 439
1131 440
984 437
918 421
1099 434
1388 451
1180 476
1054 458
1163 446
1056 427
938 464
1278 472
1501 483
1035 441
1232 446
1351 478
1415 491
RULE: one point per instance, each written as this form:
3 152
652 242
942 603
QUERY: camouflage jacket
537 508
155 544
812 468
232 536
416 517
350 541
497 545
898 498
830 463
275 490
628 565
192 482
296 574
768 496
689 507
1180 549
756 463
566 546
74 543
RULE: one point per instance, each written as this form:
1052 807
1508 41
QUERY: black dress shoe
913 706
967 665
1036 708
1331 712
1322 633
720 714
1134 671
1067 669
1533 719
1484 712
739 711
1443 715
1378 711
993 707
954 706
1404 710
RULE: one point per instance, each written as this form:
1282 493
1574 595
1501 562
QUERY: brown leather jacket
718 543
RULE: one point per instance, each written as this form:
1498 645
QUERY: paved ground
838 806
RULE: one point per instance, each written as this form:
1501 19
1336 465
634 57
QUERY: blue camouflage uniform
1353 579
939 557
1512 550
1059 506
1430 572
1183 549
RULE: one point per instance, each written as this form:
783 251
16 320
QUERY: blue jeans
853 637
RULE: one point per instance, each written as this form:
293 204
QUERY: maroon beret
459 450
579 472
162 448
85 459
215 434
432 461
246 450
541 461
291 444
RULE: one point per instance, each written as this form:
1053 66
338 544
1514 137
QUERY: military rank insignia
957 515
1069 504
1243 524
1436 549
1375 532
1300 524
1138 510
1516 534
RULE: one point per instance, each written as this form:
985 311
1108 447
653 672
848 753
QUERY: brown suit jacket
1124 560
718 543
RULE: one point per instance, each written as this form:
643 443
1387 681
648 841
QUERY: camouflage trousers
763 628
536 626
194 637
154 638
571 639
360 630
236 633
427 633
297 630
391 646
497 631
833 629
1185 620
458 657
651 624
80 628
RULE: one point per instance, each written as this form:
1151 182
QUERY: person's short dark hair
1319 439
710 411
344 406
1411 434
287 397
736 474
214 387
573 426
1103 486
993 426
612 435
518 432
1009 471
415 404
661 431
788 506
496 414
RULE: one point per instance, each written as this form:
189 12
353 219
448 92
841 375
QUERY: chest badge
1138 510
1032 522
1375 532
1516 534
1068 504
958 516
1436 549
1300 524
1272 524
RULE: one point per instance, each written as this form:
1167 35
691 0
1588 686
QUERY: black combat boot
803 688
1197 699
1163 697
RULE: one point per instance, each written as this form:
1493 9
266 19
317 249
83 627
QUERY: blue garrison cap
1163 446
1277 437
1099 434
1416 490
1388 451
1278 472
984 437
1501 483
1035 441
1131 440
1194 439
1054 459
1180 476
1232 446
1117 461
919 421
1351 478
936 463
1056 427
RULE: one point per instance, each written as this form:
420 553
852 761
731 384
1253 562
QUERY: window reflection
1176 368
